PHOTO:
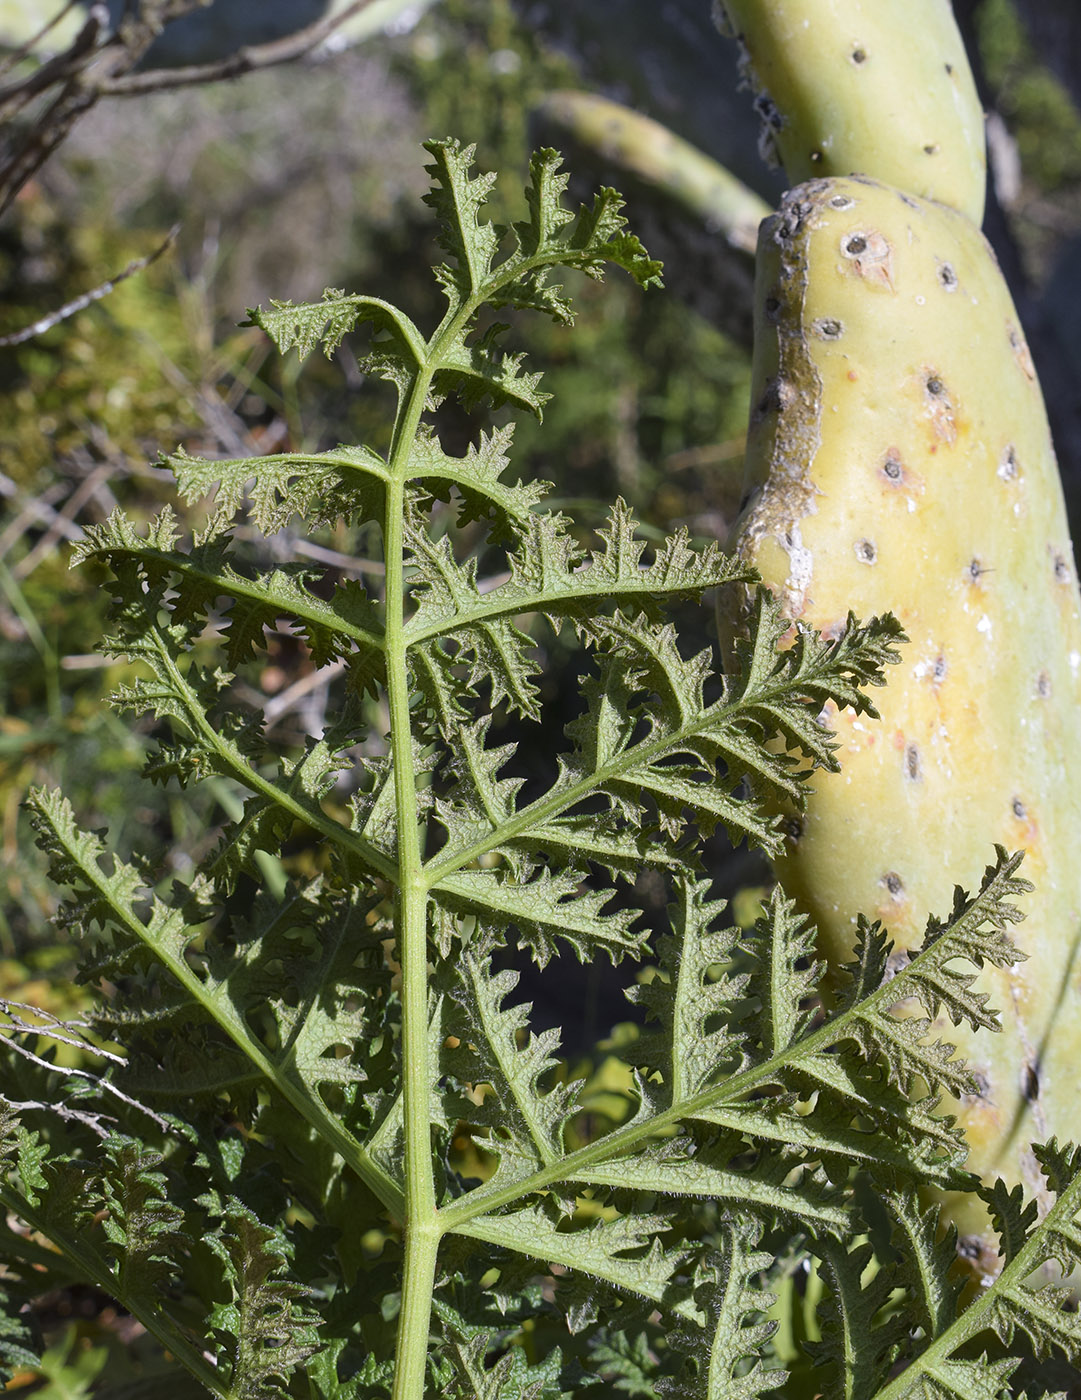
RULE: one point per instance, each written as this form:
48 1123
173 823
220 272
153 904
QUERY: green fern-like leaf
265 1329
336 1151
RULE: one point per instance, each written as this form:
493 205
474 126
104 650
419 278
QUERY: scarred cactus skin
877 87
899 460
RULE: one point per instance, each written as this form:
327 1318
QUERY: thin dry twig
9 61
100 62
57 530
248 59
80 303
66 1033
289 698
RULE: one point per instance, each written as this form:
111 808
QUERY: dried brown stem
246 60
100 64
80 303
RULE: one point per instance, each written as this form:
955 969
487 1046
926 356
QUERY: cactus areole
881 87
900 460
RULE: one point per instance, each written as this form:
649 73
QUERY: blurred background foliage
291 179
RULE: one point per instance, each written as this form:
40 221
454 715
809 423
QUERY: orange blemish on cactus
894 907
1024 829
899 479
939 406
870 256
1021 352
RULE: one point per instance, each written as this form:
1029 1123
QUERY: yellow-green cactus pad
875 87
899 460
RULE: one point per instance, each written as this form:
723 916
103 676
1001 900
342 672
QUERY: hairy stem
421 1228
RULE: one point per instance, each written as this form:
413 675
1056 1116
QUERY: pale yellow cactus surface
900 460
875 87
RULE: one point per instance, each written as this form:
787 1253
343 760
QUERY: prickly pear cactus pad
880 87
899 459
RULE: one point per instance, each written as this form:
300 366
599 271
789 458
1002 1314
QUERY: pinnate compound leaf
857 1349
956 1379
321 488
466 1372
775 1189
625 1253
141 1223
784 975
18 1349
736 1330
265 1329
694 1044
549 908
752 1112
531 1114
328 321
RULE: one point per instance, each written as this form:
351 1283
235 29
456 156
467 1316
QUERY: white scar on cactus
899 459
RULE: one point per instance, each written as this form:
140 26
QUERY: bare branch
66 1033
80 303
245 60
101 63
84 41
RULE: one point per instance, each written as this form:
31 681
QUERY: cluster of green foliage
1038 109
325 1155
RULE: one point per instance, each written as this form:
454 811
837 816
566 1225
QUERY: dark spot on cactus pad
1008 468
939 669
772 308
1043 685
841 201
940 408
949 68
1062 569
1018 809
859 55
1021 353
893 883
1030 1082
913 766
976 570
892 467
947 276
930 149
827 328
772 400
815 157
866 553
870 255
793 828
768 110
